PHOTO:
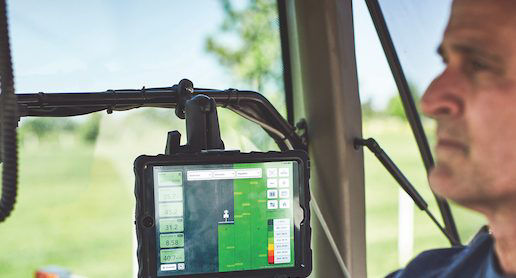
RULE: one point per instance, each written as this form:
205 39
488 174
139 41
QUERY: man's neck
502 224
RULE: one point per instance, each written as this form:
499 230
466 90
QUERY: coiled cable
9 120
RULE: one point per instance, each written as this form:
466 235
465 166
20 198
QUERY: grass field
75 206
72 211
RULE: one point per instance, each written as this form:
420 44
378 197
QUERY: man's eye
477 66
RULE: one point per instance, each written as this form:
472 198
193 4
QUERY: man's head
474 103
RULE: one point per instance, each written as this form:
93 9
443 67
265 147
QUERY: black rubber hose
9 121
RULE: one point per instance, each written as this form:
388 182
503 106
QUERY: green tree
89 130
368 111
247 43
42 127
395 107
48 128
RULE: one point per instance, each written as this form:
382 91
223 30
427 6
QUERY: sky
416 29
73 46
67 46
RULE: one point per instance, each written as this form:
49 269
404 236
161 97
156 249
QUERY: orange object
41 274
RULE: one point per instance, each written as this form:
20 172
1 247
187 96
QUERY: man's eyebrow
471 50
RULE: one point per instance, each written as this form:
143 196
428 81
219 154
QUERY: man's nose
444 96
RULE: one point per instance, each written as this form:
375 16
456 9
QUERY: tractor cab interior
219 138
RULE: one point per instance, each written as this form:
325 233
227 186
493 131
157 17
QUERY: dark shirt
475 260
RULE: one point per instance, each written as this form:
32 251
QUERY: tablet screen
224 217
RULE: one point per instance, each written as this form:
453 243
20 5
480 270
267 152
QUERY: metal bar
72 104
409 107
405 184
285 53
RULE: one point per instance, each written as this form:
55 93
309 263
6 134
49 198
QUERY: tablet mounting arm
202 122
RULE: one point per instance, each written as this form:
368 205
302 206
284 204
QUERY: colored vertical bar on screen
270 241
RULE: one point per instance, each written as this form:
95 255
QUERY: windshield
76 204
416 28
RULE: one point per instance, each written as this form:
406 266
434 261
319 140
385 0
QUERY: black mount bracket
202 122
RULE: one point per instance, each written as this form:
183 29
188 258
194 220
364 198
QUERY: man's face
474 104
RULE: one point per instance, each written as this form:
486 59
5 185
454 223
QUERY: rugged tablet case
144 214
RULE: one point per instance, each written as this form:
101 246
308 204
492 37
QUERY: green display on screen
171 225
168 194
171 210
170 178
171 240
172 255
225 217
245 244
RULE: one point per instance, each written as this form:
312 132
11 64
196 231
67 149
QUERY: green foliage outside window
248 45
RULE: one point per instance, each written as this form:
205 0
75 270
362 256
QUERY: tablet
223 214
